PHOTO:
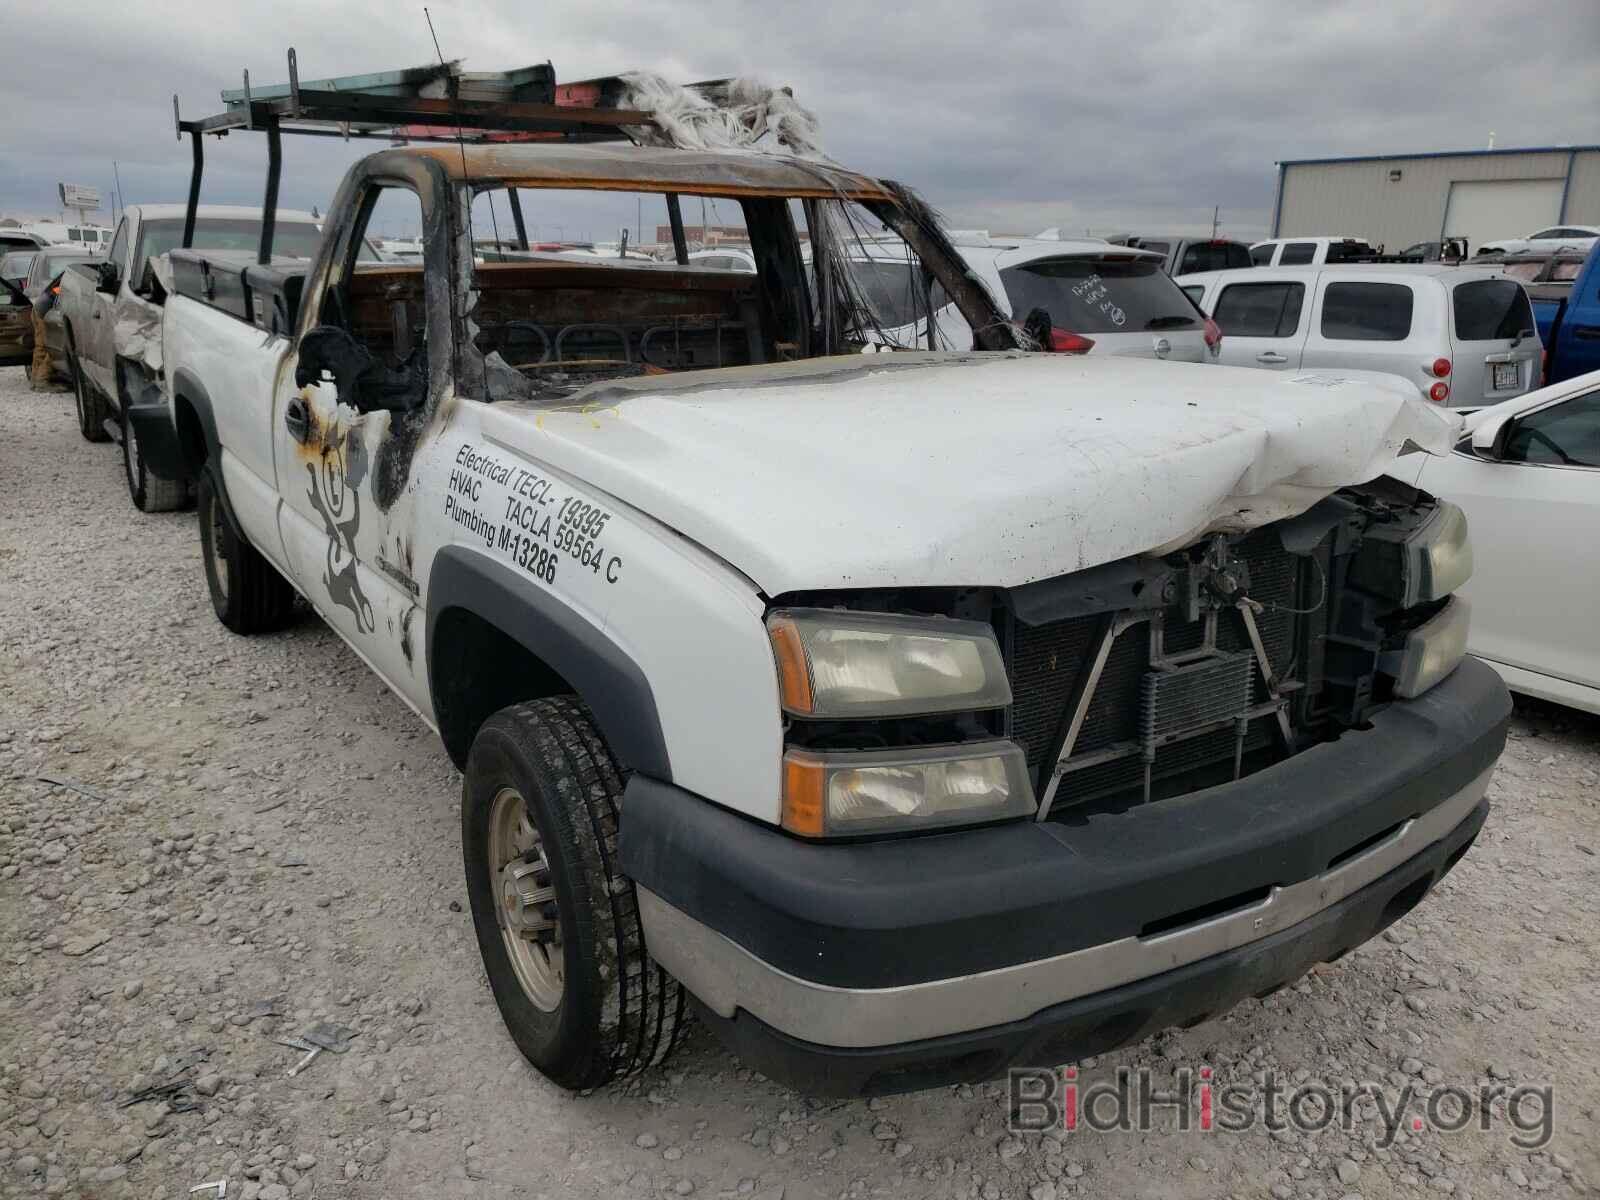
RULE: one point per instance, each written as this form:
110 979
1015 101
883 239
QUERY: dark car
1188 255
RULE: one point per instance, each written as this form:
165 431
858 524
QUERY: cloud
1119 115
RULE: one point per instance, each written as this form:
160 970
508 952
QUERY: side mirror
108 281
1489 437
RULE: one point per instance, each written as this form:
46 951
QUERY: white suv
1101 299
1462 335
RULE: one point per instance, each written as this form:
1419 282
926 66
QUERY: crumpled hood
987 469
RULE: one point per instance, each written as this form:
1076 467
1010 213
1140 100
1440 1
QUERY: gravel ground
238 838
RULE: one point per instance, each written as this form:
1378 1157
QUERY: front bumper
895 965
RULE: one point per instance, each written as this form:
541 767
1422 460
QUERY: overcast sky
1099 116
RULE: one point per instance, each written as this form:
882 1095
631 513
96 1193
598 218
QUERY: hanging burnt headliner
613 167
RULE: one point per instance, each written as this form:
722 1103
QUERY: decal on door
336 476
531 519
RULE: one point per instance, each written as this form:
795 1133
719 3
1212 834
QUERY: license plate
1507 377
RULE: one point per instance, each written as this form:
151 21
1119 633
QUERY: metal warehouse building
1401 199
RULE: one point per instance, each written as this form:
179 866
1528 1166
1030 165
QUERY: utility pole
116 176
1216 220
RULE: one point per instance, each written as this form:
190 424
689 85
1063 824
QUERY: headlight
834 663
833 794
1431 651
1438 557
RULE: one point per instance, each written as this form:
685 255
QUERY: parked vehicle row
111 313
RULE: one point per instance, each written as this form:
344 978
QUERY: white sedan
1528 476
1575 237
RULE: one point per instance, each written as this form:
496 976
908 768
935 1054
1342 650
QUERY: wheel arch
496 638
196 426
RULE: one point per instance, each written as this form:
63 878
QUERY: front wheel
557 924
247 592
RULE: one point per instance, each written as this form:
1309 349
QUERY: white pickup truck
909 714
112 312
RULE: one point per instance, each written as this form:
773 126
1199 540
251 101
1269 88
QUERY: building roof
1355 158
649 168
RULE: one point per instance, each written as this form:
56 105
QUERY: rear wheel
148 493
247 592
557 924
93 412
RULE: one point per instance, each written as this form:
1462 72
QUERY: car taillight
1064 341
1440 368
1213 335
1439 393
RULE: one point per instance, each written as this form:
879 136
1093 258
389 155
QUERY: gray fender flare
604 676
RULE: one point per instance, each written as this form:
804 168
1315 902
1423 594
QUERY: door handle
1270 356
1589 333
297 418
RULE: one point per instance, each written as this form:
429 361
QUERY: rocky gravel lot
208 843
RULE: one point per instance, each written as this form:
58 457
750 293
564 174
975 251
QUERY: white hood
993 470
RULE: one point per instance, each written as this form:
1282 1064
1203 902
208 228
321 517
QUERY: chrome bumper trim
726 977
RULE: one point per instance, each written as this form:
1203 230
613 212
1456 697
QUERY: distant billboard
77 195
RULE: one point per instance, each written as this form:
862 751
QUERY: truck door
345 518
1263 322
97 343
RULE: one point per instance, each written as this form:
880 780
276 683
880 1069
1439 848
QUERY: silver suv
1462 335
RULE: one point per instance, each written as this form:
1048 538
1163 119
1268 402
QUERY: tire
603 1008
148 493
247 592
93 411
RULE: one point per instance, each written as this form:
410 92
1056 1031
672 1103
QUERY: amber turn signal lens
802 796
794 677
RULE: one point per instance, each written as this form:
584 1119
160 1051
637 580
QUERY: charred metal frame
366 114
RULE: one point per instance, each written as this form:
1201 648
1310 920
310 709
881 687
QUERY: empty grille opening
1045 662
1362 847
1204 912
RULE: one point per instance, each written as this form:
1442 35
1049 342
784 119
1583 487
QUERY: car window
15 266
1489 310
1195 292
1212 256
1565 271
1261 256
1298 254
290 239
1158 247
1260 309
1567 433
1367 312
1549 233
1100 295
1348 251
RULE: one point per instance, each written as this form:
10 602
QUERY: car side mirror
108 278
1489 438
